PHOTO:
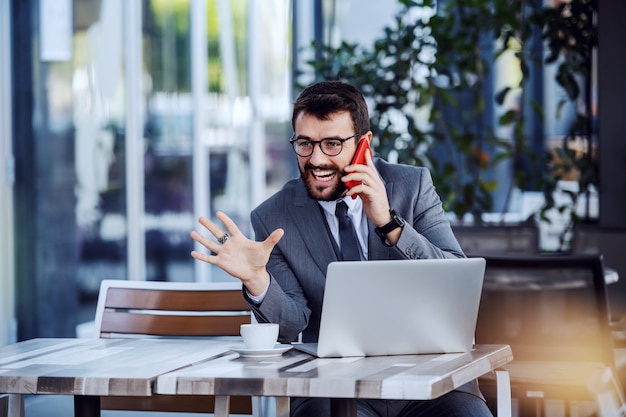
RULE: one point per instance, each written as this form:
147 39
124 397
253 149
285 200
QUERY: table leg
222 406
283 406
16 405
86 406
343 407
503 393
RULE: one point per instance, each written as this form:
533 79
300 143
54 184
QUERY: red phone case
359 158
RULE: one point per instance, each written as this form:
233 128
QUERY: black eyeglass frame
293 140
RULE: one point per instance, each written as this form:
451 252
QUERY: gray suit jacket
298 263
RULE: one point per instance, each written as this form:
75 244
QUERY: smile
323 175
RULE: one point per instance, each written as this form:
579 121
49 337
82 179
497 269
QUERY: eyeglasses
329 146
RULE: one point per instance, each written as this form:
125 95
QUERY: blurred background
123 121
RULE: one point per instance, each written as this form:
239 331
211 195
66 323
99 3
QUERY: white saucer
260 353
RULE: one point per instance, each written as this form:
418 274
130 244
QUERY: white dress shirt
359 220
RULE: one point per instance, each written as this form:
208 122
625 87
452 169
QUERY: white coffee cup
259 335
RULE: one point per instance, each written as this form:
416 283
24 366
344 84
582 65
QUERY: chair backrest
521 238
164 309
547 307
170 309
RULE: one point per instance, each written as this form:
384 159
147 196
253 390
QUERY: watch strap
396 222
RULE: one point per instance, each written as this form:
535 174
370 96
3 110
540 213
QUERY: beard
331 192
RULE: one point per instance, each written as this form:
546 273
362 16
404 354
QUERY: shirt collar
353 205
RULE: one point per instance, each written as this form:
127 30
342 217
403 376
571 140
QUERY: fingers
229 224
238 256
214 246
365 174
273 239
210 244
371 190
230 227
215 230
231 230
203 257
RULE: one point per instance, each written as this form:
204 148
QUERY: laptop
399 307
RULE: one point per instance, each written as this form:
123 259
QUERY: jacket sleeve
284 302
427 233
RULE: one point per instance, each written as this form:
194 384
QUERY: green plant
571 35
426 79
428 82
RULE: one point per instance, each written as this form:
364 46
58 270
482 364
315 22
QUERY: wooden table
296 374
90 368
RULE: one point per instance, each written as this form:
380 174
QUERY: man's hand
373 193
237 255
371 190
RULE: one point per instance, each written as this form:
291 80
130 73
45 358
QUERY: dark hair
325 98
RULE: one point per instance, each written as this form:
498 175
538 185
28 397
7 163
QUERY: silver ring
224 238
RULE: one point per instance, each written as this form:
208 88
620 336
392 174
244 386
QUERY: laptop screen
396 307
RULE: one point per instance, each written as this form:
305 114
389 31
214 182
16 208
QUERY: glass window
245 113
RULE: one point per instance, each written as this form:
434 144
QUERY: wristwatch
383 231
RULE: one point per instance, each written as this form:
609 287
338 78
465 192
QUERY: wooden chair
591 239
552 311
167 309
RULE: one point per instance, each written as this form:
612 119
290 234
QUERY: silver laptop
399 307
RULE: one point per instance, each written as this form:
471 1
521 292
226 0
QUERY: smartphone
359 158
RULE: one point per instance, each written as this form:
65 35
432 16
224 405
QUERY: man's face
322 173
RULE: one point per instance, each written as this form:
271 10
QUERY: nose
317 155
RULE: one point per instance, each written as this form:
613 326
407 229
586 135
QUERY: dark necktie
347 235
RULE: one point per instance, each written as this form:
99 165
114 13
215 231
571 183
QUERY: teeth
323 174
